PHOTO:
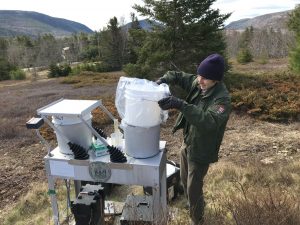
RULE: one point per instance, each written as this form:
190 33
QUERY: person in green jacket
203 117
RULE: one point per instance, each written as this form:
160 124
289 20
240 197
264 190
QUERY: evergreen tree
136 38
111 44
95 43
294 25
3 48
247 36
185 32
115 45
244 54
5 69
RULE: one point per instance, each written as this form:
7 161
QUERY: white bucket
141 107
75 130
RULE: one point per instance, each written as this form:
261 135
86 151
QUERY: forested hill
276 20
14 23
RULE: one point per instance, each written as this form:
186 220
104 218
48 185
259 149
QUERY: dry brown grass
254 193
258 68
88 78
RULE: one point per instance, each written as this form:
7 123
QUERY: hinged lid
68 107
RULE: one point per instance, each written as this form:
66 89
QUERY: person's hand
170 102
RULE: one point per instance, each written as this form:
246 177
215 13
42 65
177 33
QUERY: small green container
99 150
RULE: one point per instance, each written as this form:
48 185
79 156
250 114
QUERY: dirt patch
21 154
248 139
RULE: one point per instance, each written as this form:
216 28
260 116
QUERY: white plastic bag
139 97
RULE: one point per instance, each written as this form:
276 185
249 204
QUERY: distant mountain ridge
15 22
276 20
145 24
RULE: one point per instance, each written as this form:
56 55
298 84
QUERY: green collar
210 91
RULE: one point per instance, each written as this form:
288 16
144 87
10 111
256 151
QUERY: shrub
17 75
294 59
59 71
264 206
244 56
132 70
53 70
263 59
88 67
92 67
76 70
5 68
136 70
103 67
268 97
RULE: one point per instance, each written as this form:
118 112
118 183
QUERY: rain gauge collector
86 155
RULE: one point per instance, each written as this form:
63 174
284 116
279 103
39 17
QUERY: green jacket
203 117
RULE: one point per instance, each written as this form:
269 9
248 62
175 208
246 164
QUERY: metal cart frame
149 172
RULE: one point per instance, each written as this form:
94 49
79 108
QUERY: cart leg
53 199
77 186
160 200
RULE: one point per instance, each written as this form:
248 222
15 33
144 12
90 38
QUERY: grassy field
250 194
255 182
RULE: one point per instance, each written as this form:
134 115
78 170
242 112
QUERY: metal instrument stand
149 172
146 172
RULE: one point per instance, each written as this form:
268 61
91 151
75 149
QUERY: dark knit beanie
212 67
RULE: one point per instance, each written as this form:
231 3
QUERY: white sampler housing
67 116
136 101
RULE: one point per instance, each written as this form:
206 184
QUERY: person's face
204 84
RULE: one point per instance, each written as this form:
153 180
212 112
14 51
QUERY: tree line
182 34
259 44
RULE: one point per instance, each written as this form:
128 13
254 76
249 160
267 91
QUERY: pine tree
136 37
3 48
111 44
244 54
185 32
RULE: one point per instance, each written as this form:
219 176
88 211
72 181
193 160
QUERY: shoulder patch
219 109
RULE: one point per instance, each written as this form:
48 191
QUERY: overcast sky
96 13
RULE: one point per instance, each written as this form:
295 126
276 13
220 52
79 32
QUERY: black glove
170 102
160 81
